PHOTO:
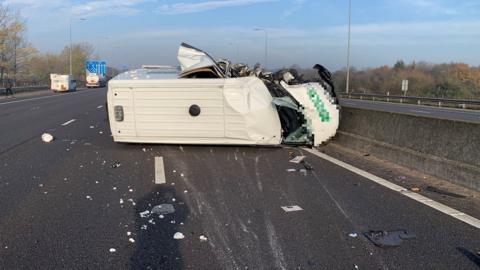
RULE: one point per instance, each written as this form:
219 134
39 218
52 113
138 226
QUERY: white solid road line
412 195
68 122
159 171
37 98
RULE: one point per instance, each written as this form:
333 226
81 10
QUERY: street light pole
348 50
70 34
266 44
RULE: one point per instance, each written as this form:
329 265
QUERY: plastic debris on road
291 170
121 201
88 197
47 137
203 238
178 236
297 159
129 233
145 214
116 165
144 227
292 208
112 250
353 235
163 209
389 238
131 240
415 189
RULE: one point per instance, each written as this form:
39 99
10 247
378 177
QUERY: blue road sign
96 67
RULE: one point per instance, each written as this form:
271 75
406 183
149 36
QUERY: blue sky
304 32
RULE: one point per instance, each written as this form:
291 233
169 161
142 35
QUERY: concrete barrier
447 149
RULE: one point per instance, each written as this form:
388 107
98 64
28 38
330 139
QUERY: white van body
156 110
200 103
62 83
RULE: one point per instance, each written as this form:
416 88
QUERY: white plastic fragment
88 197
291 208
40 185
130 190
185 191
112 250
144 227
131 240
353 235
121 201
144 149
291 170
173 199
47 137
178 236
161 216
145 214
129 233
297 159
203 238
181 174
114 188
91 126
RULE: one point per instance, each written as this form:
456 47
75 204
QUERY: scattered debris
40 185
389 238
151 221
100 132
173 199
174 171
132 201
114 188
203 238
415 189
353 235
292 208
356 266
144 227
91 126
291 170
185 191
366 155
130 190
121 201
116 165
47 137
297 159
181 175
307 166
89 197
96 182
178 236
161 216
173 184
163 209
444 192
131 240
112 250
129 233
402 177
144 149
145 214
173 221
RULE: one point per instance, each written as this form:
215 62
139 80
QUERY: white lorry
217 103
95 80
62 83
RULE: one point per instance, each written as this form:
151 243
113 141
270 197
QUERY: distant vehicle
206 102
96 80
62 83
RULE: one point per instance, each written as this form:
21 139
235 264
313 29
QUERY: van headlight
118 111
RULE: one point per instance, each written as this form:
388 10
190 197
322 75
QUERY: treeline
22 64
455 80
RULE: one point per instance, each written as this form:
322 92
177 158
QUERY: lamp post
81 19
348 50
266 44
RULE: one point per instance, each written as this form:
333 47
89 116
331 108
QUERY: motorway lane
233 197
24 119
426 111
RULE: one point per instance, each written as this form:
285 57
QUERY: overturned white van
205 102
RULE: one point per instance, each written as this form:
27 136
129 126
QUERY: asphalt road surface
64 206
427 111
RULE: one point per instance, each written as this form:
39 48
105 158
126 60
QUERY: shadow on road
156 248
470 255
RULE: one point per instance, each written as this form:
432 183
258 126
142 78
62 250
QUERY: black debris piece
389 238
307 166
444 192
